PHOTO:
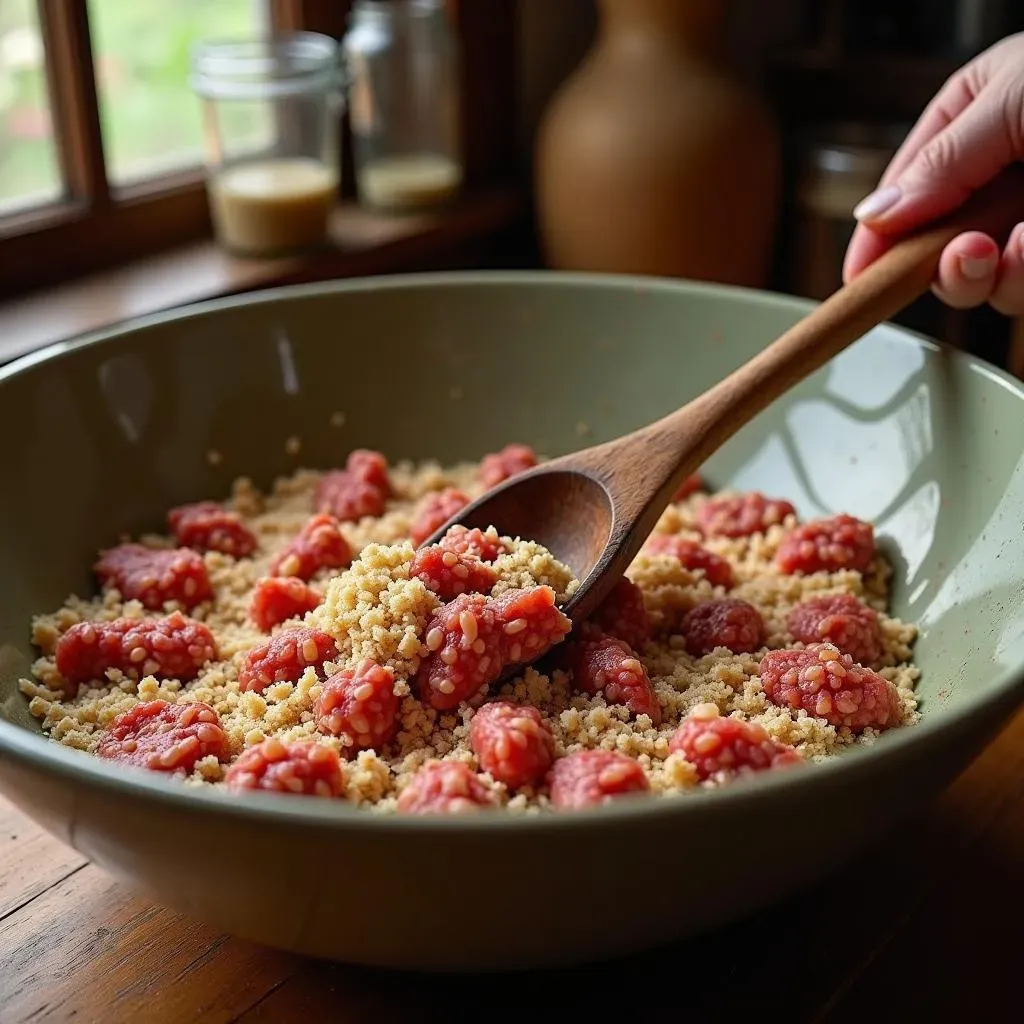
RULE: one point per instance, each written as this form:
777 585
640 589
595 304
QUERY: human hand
971 130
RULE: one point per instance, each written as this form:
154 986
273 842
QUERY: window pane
142 52
29 171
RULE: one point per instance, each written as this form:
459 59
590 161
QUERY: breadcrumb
375 610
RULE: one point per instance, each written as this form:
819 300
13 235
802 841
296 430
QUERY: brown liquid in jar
409 182
273 206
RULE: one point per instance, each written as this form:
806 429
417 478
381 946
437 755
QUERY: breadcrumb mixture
373 609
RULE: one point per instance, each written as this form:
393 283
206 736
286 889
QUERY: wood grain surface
928 926
362 244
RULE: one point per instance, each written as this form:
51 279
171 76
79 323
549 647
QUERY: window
100 145
149 117
29 171
100 133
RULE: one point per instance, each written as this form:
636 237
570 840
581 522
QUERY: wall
553 37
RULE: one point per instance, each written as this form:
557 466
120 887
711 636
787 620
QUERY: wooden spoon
594 509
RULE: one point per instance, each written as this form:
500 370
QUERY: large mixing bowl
103 434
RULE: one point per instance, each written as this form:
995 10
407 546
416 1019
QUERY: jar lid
258 68
383 6
390 10
850 149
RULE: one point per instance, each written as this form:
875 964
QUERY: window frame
95 227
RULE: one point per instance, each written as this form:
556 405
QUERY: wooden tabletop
928 926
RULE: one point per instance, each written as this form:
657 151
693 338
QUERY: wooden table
929 927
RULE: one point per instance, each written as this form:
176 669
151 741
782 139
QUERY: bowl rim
36 751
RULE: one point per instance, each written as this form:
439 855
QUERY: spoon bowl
567 510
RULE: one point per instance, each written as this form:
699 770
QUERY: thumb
966 154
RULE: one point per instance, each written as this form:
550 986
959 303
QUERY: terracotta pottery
654 158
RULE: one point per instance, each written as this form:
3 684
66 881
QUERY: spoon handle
892 282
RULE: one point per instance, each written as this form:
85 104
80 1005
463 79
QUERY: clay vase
653 158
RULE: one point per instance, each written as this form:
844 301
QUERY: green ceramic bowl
106 432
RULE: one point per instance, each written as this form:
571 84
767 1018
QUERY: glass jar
837 166
403 63
271 118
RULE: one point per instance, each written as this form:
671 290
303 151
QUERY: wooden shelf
363 244
884 86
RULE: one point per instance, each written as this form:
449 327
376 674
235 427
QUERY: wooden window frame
95 227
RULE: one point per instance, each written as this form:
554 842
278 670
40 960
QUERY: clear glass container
271 132
837 165
402 59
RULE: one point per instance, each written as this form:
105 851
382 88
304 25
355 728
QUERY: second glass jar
403 65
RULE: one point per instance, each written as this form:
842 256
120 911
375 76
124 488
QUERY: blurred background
721 140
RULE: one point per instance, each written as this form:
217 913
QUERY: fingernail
877 203
976 268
